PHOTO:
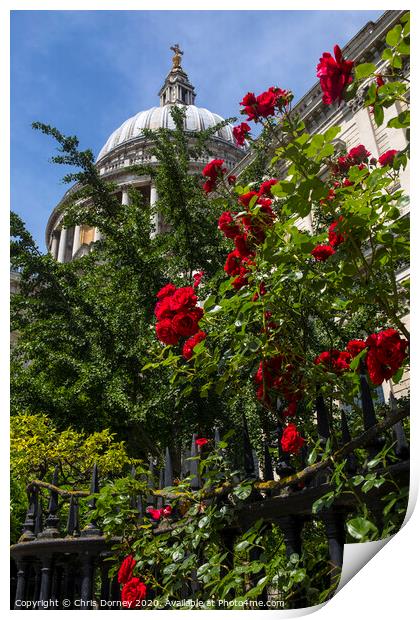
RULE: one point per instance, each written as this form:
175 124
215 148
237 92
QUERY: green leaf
204 521
400 121
378 113
398 375
244 544
359 527
387 54
368 485
364 70
312 456
323 502
393 36
349 269
373 463
209 302
403 47
243 491
389 506
397 62
405 19
331 133
298 575
354 364
350 91
283 188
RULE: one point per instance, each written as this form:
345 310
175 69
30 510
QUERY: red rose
188 348
214 168
231 179
387 158
155 513
265 103
265 188
133 592
233 263
390 347
167 511
260 293
354 347
242 246
327 358
264 374
125 572
184 298
201 441
387 352
334 75
378 373
265 212
379 81
249 99
358 154
242 279
166 333
163 309
342 362
245 199
291 441
197 277
186 323
329 197
263 397
250 106
240 133
290 410
166 291
209 186
228 225
335 238
239 282
334 360
343 164
322 252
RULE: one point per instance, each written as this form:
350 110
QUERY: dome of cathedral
196 119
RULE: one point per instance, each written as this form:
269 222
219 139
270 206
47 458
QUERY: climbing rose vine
313 244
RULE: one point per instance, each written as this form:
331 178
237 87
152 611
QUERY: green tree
86 328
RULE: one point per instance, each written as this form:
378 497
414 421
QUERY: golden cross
176 60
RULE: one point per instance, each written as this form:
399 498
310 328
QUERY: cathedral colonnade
66 242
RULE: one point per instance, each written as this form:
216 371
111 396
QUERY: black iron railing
57 563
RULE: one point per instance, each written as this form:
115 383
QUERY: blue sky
85 72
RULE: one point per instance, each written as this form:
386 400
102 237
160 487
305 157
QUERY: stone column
154 214
366 131
76 239
125 198
54 245
62 245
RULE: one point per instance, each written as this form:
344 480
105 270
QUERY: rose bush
293 285
308 303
